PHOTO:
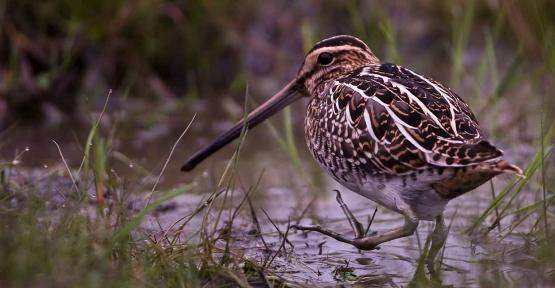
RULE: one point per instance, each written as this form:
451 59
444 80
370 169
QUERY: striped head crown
332 57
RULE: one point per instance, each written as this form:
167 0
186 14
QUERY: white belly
398 194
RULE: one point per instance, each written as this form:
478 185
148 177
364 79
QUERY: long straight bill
280 100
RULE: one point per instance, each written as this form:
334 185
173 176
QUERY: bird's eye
325 58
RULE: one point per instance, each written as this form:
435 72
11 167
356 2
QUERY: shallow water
284 193
317 259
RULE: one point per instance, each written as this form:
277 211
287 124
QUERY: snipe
390 134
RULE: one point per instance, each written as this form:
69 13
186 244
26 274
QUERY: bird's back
384 120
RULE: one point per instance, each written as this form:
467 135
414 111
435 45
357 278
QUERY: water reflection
286 194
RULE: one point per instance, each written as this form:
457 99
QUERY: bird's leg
439 235
357 227
408 228
355 224
361 241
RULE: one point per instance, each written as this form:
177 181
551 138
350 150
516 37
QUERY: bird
394 136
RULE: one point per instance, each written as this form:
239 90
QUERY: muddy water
317 259
284 193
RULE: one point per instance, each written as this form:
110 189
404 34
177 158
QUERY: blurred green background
58 57
166 61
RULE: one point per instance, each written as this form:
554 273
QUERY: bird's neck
317 83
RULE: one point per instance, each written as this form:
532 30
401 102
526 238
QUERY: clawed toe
363 239
366 239
364 243
317 228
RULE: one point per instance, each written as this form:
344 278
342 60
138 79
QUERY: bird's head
328 59
331 58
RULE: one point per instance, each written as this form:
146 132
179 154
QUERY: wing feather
405 121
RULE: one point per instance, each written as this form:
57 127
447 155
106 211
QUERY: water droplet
16 162
45 166
27 149
131 165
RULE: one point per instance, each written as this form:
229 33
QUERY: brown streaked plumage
394 136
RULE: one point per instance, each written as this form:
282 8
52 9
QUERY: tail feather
502 166
474 177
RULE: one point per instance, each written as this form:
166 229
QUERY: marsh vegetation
102 101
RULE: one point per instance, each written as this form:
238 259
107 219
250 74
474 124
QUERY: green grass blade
528 173
135 222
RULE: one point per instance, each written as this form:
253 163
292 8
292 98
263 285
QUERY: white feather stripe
354 88
331 92
369 126
449 140
445 96
396 119
349 121
411 139
403 89
391 113
368 154
400 125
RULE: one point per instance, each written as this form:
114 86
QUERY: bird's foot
438 239
357 227
363 240
360 243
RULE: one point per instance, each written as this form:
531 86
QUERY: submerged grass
74 246
101 243
79 244
517 185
